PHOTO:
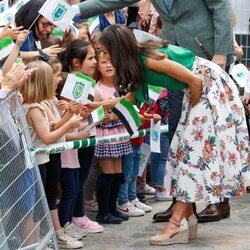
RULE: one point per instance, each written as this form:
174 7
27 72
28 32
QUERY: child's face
105 67
83 34
57 75
88 66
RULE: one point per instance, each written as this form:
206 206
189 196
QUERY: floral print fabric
209 154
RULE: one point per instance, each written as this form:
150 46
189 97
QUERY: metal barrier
25 221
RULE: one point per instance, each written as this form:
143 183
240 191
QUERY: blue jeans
158 162
130 170
70 185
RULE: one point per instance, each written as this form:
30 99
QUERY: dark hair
27 14
77 49
51 40
125 57
60 85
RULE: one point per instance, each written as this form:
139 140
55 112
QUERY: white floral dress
209 154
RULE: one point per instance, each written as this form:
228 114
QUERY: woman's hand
22 36
195 91
246 98
12 32
91 105
52 51
16 77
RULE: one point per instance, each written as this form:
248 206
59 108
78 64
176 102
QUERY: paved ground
232 233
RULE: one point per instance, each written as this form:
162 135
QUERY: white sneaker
74 231
130 210
137 204
146 189
67 242
162 195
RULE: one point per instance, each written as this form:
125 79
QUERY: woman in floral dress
209 154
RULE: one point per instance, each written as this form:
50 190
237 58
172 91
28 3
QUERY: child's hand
62 104
22 36
246 98
75 121
156 117
83 135
74 107
84 112
20 97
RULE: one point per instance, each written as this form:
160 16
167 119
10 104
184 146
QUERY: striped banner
61 147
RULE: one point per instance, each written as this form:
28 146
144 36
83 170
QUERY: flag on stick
6 45
78 87
8 14
154 92
94 25
94 118
58 12
128 115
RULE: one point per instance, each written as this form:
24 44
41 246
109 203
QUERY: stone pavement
232 233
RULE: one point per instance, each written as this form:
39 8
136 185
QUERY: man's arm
91 8
223 32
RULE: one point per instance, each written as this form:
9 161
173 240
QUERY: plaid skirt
112 149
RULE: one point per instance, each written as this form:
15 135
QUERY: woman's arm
180 73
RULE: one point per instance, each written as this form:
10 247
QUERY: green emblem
240 74
78 90
59 12
1 8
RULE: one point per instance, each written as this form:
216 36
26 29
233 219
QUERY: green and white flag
77 87
58 12
94 25
128 115
154 92
8 14
6 45
94 118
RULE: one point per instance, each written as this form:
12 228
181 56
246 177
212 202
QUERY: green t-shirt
175 53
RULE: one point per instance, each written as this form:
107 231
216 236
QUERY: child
79 56
202 145
39 88
109 155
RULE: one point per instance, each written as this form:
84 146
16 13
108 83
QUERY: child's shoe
108 219
87 225
130 210
121 215
74 231
67 242
144 188
137 204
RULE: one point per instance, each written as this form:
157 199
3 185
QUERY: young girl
109 155
69 174
40 87
79 56
210 149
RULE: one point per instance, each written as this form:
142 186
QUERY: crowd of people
205 153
